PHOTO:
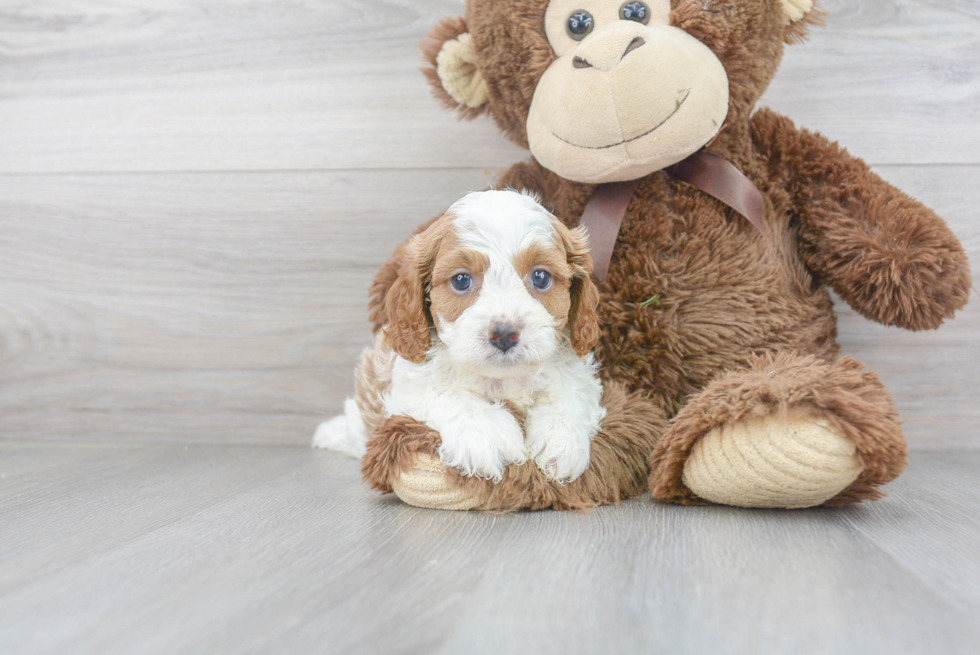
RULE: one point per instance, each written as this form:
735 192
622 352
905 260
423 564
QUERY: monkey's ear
452 69
800 15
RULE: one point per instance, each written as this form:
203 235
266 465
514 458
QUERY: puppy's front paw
483 444
559 448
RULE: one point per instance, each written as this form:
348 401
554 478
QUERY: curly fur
583 318
618 470
408 320
372 378
700 313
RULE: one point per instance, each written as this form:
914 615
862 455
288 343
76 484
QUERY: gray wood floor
173 548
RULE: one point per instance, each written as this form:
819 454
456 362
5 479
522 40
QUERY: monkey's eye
541 279
580 23
636 11
461 282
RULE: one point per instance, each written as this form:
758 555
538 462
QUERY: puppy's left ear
583 319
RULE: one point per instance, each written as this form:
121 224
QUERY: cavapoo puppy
490 326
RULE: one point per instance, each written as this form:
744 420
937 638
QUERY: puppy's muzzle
504 336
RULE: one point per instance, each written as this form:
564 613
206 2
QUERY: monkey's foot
427 484
772 462
787 431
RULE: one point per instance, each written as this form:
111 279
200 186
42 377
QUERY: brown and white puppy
494 310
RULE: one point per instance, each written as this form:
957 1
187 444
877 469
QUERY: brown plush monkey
723 382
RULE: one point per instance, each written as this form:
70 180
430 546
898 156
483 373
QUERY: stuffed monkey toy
716 231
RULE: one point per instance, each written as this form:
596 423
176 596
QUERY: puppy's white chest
519 393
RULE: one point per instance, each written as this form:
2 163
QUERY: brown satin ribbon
720 179
603 217
712 174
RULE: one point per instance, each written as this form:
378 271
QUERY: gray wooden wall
194 195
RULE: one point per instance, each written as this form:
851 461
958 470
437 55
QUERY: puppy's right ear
452 68
407 330
583 319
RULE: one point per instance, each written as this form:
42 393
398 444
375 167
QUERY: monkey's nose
607 47
634 44
504 336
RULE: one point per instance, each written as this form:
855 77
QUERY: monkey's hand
888 256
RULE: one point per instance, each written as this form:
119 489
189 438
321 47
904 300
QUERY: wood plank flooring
115 548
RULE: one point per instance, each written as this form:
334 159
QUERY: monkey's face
612 90
627 94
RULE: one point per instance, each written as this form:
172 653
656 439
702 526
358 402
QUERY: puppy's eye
636 11
580 23
540 279
461 282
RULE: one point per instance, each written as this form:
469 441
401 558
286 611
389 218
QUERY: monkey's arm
888 256
528 176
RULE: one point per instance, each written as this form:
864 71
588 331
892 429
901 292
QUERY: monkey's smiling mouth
680 103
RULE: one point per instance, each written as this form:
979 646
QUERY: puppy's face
502 281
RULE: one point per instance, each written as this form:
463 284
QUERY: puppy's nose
504 336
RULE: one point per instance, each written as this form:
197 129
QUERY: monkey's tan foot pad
428 485
772 462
